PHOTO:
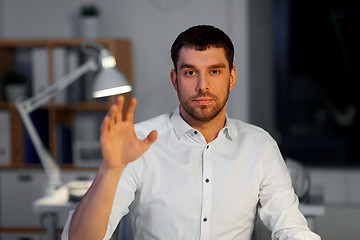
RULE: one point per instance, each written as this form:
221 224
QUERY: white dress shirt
184 188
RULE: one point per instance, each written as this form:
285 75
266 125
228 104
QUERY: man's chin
203 114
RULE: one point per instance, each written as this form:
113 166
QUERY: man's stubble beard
205 113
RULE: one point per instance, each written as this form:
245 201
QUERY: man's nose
203 83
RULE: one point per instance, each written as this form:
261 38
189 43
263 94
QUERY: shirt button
207 147
207 180
195 132
205 219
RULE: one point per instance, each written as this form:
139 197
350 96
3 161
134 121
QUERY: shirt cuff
295 234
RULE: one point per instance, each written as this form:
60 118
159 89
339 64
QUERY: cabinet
57 114
19 188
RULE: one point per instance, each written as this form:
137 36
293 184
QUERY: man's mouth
203 100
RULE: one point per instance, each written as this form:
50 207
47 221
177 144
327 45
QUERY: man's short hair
201 38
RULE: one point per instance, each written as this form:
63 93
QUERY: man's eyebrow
186 65
220 65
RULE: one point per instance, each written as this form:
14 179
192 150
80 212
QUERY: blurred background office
297 78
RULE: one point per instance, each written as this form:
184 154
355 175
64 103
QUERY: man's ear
232 78
173 77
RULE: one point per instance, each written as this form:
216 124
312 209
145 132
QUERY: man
198 174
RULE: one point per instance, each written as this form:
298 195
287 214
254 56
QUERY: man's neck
209 129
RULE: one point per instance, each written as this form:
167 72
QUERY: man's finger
105 126
120 105
129 114
112 114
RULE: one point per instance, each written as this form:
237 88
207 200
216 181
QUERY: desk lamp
109 81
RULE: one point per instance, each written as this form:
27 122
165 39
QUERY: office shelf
58 114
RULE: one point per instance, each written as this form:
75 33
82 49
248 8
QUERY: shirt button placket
207 193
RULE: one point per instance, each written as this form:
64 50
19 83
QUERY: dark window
318 80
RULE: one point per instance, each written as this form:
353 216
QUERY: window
318 80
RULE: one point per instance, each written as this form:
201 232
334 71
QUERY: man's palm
119 143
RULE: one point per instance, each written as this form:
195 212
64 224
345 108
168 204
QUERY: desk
49 207
312 209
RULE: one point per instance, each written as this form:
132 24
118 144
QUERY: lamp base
77 190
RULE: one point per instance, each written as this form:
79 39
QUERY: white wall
1 18
152 29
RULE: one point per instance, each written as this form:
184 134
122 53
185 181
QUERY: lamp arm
25 107
42 97
51 168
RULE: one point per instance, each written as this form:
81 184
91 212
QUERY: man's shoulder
241 129
160 123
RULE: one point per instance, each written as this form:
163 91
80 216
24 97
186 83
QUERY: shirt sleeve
65 233
124 196
279 205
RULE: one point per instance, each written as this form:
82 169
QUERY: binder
59 55
39 70
4 137
74 91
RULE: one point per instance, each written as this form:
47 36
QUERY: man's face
203 81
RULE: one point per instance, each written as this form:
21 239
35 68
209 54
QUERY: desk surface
58 202
314 207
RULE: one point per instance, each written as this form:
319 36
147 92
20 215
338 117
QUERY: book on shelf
74 91
22 64
86 144
39 67
40 119
59 60
4 137
63 144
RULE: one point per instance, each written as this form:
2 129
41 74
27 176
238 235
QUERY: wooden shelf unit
58 113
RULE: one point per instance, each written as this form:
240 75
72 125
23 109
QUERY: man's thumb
151 138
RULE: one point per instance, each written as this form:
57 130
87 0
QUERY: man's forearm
91 217
119 146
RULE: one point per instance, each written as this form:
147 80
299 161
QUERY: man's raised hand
119 144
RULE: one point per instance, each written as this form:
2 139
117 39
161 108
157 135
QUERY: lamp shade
110 80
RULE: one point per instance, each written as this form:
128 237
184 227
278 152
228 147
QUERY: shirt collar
227 128
181 127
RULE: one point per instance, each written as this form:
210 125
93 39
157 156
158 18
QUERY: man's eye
190 73
215 71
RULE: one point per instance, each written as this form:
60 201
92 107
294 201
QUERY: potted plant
89 11
89 17
14 85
